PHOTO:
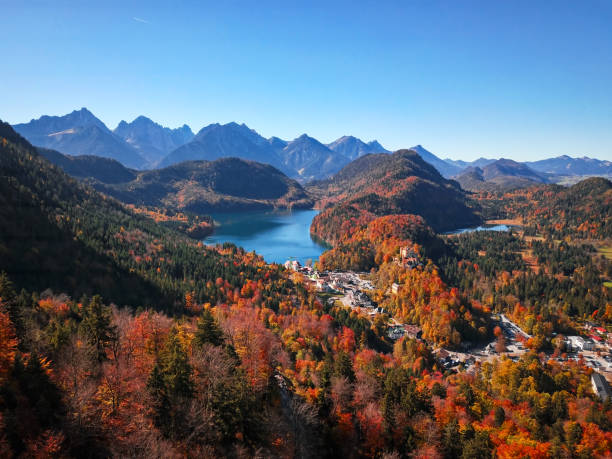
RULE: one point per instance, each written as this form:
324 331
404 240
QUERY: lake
481 228
275 235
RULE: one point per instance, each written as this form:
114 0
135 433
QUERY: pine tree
208 331
170 386
344 367
157 391
97 327
176 368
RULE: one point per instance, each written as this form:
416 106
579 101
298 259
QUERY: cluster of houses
448 361
397 331
597 334
357 299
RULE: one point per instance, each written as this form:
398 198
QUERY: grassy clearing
606 252
608 284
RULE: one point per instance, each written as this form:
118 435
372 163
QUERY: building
600 386
395 332
413 331
322 285
293 264
408 257
578 343
394 288
407 252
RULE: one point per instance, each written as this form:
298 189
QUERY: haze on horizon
465 80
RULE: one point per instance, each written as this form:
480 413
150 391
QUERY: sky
516 79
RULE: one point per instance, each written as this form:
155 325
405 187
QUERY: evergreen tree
170 386
97 327
176 368
208 330
344 367
451 440
157 391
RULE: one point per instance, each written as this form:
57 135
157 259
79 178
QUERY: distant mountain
446 169
376 147
565 165
277 144
78 133
500 175
226 140
311 159
353 148
305 158
152 140
388 184
480 162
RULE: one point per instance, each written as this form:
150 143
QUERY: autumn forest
123 335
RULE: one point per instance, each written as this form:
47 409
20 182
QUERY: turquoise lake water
275 235
481 228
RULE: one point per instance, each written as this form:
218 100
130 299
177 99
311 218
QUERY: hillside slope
223 185
445 168
389 184
105 170
60 234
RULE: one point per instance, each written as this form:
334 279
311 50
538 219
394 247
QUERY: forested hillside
56 233
198 187
248 359
382 184
583 210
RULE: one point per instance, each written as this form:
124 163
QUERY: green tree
170 386
97 327
208 330
451 440
344 367
499 416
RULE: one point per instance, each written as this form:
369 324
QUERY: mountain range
144 144
565 165
500 175
151 140
80 133
353 148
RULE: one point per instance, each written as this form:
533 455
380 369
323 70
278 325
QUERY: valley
388 330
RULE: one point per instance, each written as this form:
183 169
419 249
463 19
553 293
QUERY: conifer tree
208 330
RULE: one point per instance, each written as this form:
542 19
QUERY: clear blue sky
520 79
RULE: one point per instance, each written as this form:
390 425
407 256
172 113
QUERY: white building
578 343
293 264
600 386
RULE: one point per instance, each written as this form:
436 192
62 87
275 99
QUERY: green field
608 284
606 252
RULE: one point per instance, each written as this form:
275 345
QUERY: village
353 290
